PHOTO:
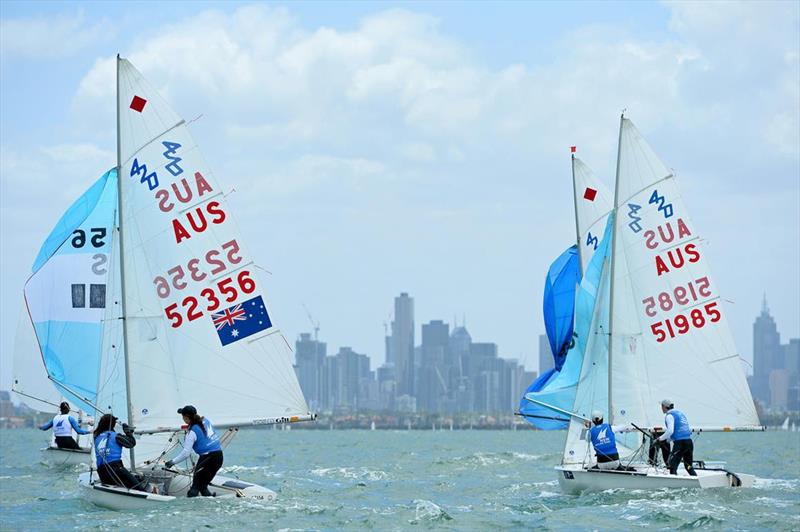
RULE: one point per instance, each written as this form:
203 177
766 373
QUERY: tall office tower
546 361
767 353
309 362
402 343
433 373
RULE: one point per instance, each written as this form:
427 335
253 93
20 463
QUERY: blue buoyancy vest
106 448
603 440
61 425
680 427
208 442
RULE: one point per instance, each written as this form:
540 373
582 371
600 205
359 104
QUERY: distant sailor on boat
680 434
604 443
63 425
108 446
203 440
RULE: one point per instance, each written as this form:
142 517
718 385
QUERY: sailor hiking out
604 442
63 424
679 433
108 446
203 440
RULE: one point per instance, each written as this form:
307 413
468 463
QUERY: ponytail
197 419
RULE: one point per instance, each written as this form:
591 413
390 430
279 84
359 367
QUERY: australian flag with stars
241 321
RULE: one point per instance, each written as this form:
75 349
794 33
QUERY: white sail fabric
670 337
593 202
199 330
30 376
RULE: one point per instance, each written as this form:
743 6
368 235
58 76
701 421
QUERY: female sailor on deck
63 425
680 433
603 441
108 451
203 440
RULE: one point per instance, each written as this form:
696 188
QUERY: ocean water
412 480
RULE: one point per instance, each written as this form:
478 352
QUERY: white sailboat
189 323
785 424
37 392
657 330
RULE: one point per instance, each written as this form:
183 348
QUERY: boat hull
119 498
53 456
576 479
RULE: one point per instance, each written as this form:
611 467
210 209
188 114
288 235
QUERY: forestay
199 330
670 336
66 294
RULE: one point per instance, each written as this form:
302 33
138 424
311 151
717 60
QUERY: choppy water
396 480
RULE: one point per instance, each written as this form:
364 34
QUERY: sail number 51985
680 324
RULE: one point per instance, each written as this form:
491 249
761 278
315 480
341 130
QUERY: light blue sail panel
559 303
69 291
558 389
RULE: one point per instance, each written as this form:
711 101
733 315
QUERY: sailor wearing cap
203 440
680 433
603 441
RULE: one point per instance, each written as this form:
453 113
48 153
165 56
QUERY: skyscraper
309 363
546 361
767 353
402 343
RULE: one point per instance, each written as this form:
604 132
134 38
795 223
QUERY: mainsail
669 332
198 327
67 297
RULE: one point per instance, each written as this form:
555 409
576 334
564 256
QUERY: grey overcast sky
380 147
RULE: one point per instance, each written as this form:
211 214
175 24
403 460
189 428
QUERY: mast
611 279
577 227
122 274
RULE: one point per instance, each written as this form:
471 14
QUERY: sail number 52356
224 290
680 324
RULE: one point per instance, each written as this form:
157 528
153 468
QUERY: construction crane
314 324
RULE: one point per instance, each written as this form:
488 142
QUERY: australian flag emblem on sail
241 321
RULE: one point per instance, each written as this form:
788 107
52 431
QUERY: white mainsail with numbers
669 331
198 327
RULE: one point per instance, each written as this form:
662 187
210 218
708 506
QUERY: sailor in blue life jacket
604 442
203 440
108 446
679 433
63 425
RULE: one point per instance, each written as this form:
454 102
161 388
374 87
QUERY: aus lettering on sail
181 192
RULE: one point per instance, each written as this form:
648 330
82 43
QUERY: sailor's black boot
193 492
206 493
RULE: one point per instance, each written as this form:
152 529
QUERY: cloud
50 37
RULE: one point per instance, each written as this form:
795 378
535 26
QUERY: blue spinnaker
557 387
67 293
559 303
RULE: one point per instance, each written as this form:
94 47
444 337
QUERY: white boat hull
576 479
53 456
119 498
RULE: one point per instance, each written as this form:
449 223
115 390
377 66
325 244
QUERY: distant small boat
785 425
